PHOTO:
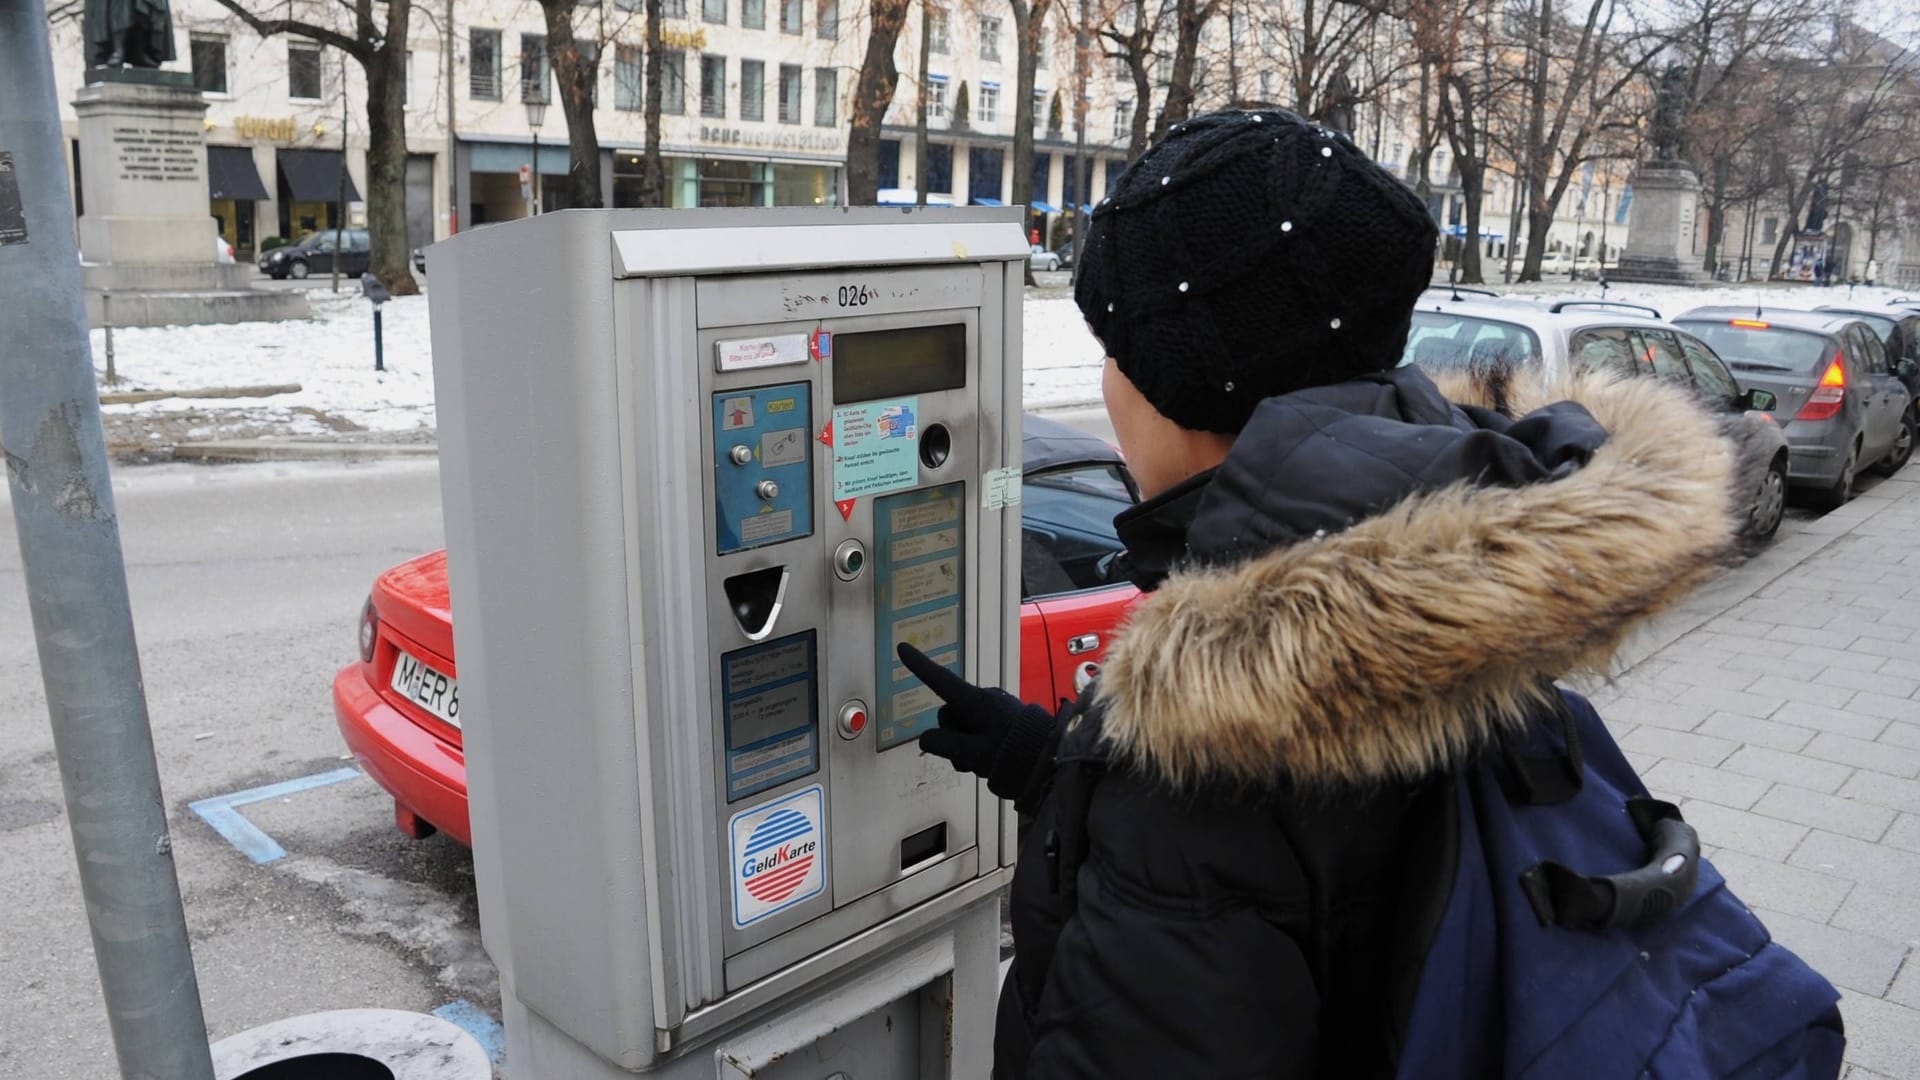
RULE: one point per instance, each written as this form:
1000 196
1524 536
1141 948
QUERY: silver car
1845 405
1477 332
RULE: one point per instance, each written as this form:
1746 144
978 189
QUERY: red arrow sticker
846 508
826 434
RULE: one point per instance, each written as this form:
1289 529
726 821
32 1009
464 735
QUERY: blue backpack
1585 936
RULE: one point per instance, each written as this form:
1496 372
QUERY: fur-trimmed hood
1387 649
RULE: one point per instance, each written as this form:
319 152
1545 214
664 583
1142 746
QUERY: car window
1067 539
1763 347
323 245
1873 353
1605 350
1660 351
359 241
1445 341
1710 376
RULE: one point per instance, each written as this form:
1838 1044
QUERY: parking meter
702 471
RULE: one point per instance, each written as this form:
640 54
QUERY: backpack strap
1543 779
1566 898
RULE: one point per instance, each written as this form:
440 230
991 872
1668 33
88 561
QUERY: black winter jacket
1250 836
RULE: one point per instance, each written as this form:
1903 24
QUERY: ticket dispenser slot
756 596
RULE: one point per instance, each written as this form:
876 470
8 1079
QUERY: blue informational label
762 437
876 447
919 583
770 699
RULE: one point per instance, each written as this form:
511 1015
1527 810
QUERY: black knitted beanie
1251 254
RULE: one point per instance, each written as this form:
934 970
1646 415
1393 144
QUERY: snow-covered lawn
331 356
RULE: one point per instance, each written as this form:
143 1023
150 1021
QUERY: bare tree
653 173
873 93
379 45
1127 35
1190 18
1029 37
576 71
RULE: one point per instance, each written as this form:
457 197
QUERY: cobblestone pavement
1781 710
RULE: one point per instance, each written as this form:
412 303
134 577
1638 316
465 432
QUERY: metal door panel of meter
919 532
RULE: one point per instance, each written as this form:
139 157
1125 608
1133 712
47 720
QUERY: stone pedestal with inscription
1660 227
147 236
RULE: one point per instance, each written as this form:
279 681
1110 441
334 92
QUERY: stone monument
1666 194
147 237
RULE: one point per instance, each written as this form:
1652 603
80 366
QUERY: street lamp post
536 115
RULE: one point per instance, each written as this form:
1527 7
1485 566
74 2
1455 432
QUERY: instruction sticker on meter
876 447
778 855
919 583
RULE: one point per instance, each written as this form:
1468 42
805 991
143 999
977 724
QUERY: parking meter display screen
919 582
895 363
770 703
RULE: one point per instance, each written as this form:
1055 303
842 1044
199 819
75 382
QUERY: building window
889 163
673 9
303 70
1042 176
1041 52
753 14
826 97
989 102
713 86
483 75
753 90
533 68
937 31
990 38
792 12
1039 111
789 93
1122 120
714 11
940 168
209 63
673 82
984 167
936 97
629 79
406 78
829 27
1769 230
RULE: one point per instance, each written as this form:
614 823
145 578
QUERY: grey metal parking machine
702 470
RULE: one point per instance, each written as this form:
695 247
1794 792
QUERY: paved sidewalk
1781 709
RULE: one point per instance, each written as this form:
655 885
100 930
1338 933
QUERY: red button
858 721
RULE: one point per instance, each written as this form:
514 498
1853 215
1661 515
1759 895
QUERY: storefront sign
261 127
771 138
673 37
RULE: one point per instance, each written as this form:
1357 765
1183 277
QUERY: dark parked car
1899 328
1845 405
315 255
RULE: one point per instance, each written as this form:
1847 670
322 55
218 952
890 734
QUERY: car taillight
1829 395
369 630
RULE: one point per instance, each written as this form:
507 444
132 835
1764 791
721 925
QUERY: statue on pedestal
128 33
1670 114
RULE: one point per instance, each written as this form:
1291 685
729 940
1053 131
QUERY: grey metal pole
340 208
77 585
379 344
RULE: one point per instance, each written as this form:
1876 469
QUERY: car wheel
1841 493
298 270
1897 457
1769 503
1053 264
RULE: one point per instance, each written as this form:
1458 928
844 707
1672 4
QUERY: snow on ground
331 357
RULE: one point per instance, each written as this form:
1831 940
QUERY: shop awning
1044 207
982 200
231 175
314 175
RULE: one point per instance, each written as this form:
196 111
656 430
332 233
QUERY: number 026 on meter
431 690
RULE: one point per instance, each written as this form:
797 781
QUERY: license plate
433 691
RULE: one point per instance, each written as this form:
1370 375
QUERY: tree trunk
1716 214
386 71
653 177
922 156
1029 24
575 77
1538 84
1189 19
872 95
1473 178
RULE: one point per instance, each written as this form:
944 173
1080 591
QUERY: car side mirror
1906 369
1757 400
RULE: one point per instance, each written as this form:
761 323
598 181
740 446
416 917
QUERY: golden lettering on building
674 37
264 127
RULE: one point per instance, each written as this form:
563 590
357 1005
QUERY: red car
398 706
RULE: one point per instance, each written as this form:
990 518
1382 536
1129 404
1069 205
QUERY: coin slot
923 846
936 445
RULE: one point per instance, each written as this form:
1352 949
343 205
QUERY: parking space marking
223 814
478 1023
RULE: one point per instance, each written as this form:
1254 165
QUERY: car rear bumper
426 775
1814 458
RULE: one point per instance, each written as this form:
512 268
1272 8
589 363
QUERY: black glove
986 731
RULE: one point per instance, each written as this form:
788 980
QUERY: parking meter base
704 836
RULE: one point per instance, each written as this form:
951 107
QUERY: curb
1736 585
241 450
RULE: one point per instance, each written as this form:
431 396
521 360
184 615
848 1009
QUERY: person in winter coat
1240 840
